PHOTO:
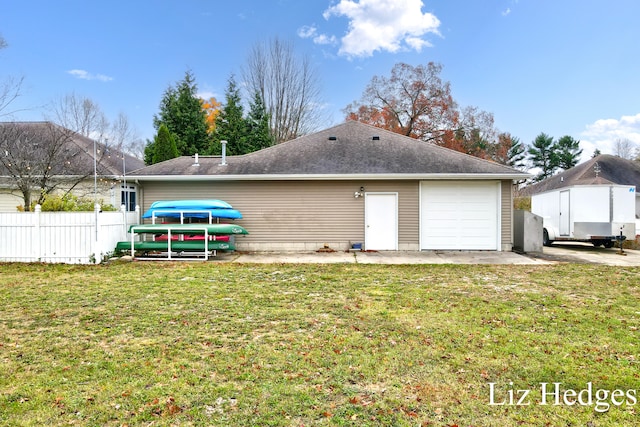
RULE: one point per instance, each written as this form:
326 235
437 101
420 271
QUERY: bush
522 203
70 203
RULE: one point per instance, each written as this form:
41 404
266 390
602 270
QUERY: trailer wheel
597 243
608 243
545 238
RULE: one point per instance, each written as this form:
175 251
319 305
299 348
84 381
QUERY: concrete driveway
586 253
572 252
386 257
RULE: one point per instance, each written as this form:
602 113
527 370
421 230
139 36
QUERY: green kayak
211 229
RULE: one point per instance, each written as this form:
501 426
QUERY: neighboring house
73 165
604 169
352 183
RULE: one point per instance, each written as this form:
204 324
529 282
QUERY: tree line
414 101
284 103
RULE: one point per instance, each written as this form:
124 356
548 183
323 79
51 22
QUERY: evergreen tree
258 132
596 153
543 156
164 146
230 123
568 152
149 149
517 154
181 111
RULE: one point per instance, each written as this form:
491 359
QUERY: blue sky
563 67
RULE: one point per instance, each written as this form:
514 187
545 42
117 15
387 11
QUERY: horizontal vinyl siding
298 212
507 215
408 209
9 201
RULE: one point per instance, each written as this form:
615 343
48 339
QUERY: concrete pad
445 257
388 257
578 252
296 257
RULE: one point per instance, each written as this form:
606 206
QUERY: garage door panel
459 215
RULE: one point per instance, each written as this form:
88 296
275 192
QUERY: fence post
123 210
138 214
38 241
96 246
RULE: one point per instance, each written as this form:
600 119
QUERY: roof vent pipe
332 138
223 162
196 160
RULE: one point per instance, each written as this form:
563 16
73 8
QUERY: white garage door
459 215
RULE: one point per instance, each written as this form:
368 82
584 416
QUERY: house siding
108 193
10 200
506 215
305 215
298 215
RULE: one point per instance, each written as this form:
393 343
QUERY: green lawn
142 344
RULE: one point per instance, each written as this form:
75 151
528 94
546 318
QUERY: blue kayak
191 204
192 213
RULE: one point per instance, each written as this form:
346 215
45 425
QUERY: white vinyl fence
63 237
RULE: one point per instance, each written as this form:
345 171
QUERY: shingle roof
347 149
610 170
81 148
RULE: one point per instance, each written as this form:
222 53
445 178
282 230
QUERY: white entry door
381 221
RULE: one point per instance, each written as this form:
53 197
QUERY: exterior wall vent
223 161
333 138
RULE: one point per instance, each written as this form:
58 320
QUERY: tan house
72 161
352 183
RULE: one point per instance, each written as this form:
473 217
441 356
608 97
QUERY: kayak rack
171 245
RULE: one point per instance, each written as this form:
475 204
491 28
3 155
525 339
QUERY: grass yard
140 344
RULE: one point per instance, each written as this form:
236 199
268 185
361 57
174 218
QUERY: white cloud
206 94
85 75
383 25
506 12
324 39
603 133
307 32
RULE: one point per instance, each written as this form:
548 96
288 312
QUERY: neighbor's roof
610 170
346 151
109 159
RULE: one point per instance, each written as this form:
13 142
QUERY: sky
562 67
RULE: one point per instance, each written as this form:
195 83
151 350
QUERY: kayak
192 213
211 229
189 246
191 204
215 237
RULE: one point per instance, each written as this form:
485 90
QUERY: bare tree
9 88
288 86
41 157
9 91
81 115
124 136
624 148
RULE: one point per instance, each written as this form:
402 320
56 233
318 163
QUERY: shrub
70 203
523 203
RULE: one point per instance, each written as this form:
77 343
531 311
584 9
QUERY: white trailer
587 213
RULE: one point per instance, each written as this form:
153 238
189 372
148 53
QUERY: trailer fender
548 236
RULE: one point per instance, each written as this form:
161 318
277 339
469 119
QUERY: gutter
334 177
